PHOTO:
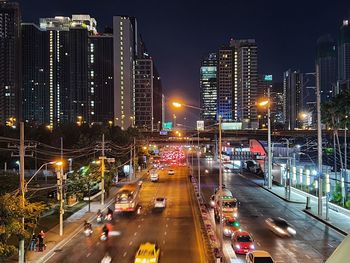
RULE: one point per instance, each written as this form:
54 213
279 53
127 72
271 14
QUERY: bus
127 198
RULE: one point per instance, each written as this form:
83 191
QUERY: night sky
179 33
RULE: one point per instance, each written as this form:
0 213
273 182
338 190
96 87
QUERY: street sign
167 125
110 160
200 125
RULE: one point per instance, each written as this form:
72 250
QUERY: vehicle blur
242 242
171 172
259 256
229 204
154 176
147 253
280 227
231 225
127 198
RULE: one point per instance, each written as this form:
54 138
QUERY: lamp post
269 153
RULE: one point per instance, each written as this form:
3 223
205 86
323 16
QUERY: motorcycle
108 217
104 236
87 232
99 219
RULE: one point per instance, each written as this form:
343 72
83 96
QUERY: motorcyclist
99 213
105 230
110 212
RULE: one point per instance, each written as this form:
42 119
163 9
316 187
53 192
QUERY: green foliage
337 194
11 214
347 204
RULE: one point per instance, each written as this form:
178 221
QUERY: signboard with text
231 126
200 125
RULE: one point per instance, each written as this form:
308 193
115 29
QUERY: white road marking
258 243
139 226
124 255
135 233
330 245
163 242
142 219
308 256
88 255
130 243
98 243
165 233
166 225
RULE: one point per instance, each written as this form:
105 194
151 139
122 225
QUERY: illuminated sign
167 125
231 126
268 77
200 125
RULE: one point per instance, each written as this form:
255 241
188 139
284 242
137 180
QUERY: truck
230 205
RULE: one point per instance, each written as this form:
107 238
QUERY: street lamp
267 103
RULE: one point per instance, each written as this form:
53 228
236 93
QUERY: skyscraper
100 78
208 88
326 61
293 98
344 54
34 74
10 61
125 51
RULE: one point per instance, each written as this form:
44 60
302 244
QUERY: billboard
231 126
200 125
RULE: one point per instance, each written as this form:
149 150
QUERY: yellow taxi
147 253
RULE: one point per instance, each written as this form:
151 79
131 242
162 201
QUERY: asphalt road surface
172 228
314 241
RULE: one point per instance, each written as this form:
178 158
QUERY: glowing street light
177 104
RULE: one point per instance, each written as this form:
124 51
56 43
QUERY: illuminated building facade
9 61
208 88
125 51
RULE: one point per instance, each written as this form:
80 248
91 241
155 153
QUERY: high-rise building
35 79
277 102
227 84
157 99
326 61
125 51
293 90
344 54
10 61
208 88
247 72
100 78
264 83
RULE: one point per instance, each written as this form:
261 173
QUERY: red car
231 225
242 242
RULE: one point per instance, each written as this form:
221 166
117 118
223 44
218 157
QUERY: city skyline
274 28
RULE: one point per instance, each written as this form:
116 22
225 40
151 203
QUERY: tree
11 214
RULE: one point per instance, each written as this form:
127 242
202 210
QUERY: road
314 241
173 228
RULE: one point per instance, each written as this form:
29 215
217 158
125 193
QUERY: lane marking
165 233
88 254
258 243
124 255
135 233
139 226
330 245
166 225
308 256
130 243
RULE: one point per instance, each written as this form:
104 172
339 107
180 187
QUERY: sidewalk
336 220
73 225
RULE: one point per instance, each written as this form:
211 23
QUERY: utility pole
60 176
220 187
102 158
21 168
131 163
319 141
134 168
269 164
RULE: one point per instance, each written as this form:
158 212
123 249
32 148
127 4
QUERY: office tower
264 83
308 115
277 100
100 78
81 27
125 51
344 56
157 100
10 62
34 74
227 84
57 33
208 88
247 78
326 61
293 98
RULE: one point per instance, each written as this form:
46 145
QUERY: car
259 256
154 176
227 169
171 172
160 202
280 227
242 242
147 253
231 225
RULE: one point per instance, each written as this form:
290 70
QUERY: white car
259 256
171 172
160 202
154 176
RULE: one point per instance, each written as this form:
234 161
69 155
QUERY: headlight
235 214
291 230
252 246
153 260
227 231
237 246
137 260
